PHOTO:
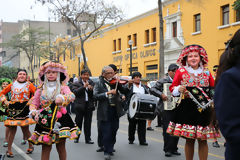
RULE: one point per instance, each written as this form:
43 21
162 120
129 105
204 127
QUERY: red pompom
59 114
46 138
63 110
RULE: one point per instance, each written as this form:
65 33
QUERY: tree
86 16
236 5
30 41
161 39
8 72
57 49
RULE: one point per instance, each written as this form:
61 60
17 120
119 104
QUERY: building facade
10 57
207 23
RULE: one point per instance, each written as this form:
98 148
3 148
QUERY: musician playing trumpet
54 124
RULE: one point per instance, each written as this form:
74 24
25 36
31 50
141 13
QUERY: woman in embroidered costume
18 110
4 82
193 116
54 125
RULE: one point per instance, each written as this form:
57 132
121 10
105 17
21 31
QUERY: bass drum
143 106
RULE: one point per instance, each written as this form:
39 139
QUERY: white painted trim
119 51
115 52
174 15
153 43
235 23
133 48
167 2
196 33
224 26
146 45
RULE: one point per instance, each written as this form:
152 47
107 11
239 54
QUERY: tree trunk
84 55
161 39
32 69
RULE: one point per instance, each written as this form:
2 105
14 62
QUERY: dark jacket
157 90
226 102
103 110
79 90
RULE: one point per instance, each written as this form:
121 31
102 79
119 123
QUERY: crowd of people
197 113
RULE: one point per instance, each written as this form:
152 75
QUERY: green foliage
236 5
8 72
30 41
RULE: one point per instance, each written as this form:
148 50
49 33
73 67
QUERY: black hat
172 67
113 66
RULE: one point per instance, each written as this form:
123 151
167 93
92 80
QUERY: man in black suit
137 87
109 109
170 142
84 107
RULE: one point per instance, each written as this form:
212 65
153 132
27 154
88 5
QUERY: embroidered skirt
17 115
48 132
190 123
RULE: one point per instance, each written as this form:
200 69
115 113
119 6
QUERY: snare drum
143 106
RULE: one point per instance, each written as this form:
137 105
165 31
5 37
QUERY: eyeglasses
109 73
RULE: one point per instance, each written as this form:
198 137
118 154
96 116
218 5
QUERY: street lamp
79 57
130 42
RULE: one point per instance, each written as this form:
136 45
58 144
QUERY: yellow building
207 23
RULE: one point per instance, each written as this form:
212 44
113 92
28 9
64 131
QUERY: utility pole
161 39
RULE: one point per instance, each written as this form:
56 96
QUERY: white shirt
138 89
86 94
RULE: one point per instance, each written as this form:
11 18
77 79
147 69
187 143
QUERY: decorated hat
193 48
52 66
5 80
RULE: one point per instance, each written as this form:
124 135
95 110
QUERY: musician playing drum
137 87
170 142
193 115
54 124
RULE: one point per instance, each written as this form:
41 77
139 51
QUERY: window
71 54
225 14
135 39
119 70
197 23
152 76
74 33
174 29
152 67
238 15
119 44
154 35
134 69
64 56
68 31
3 54
114 45
128 39
146 36
74 54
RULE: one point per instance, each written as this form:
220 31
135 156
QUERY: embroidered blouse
41 101
20 92
183 77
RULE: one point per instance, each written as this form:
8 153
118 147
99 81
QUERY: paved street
124 151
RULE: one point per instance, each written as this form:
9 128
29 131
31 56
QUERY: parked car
150 84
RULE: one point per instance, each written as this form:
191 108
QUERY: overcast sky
14 10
